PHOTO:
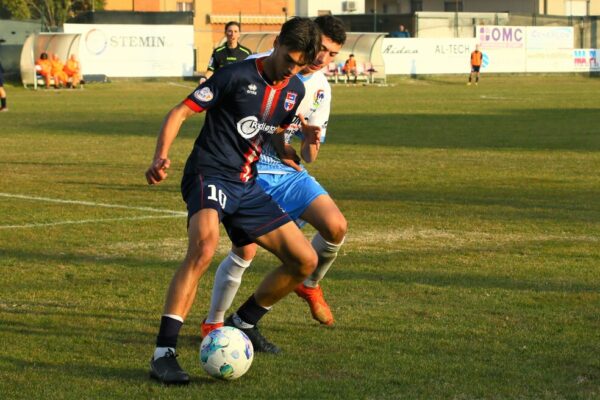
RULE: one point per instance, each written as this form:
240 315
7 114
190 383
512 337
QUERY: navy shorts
475 68
246 211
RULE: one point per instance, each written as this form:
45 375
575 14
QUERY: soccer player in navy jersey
298 193
246 102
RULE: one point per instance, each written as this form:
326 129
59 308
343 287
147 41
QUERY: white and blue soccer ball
226 353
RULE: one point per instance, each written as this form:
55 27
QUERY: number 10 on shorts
221 199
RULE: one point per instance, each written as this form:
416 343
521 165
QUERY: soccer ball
226 353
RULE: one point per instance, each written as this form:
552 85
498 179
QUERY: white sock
161 351
327 253
227 282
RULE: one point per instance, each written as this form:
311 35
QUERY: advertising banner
503 48
550 37
427 55
135 50
586 60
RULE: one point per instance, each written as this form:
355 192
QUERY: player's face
232 33
329 50
286 63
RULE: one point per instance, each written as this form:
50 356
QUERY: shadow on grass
68 370
531 129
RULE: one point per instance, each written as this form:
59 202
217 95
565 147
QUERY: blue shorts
246 211
294 192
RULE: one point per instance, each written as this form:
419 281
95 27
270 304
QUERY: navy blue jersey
243 109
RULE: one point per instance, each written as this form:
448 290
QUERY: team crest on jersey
290 101
204 94
319 97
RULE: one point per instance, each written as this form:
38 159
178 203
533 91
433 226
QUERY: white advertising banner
135 50
550 38
427 55
586 60
503 48
549 60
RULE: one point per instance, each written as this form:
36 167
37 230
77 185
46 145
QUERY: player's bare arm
287 154
157 172
311 142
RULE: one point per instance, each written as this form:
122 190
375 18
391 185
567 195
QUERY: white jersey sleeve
315 108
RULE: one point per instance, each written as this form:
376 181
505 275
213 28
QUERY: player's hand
290 157
157 171
202 80
312 133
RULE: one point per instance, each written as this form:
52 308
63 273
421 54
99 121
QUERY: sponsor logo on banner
501 36
586 60
203 94
95 41
485 60
452 49
290 101
398 49
249 127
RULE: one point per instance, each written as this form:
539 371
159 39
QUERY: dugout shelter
366 47
61 44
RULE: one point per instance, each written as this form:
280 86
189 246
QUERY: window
185 6
453 5
416 5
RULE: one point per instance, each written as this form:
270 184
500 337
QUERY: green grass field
471 269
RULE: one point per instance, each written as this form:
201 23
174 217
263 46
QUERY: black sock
250 312
168 332
3 102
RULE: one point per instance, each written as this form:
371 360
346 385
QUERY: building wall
552 7
313 8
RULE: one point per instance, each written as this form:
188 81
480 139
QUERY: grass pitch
471 268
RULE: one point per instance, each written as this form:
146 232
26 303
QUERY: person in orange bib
73 70
350 68
476 59
60 78
44 68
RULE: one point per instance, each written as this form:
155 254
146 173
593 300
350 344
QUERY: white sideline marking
87 221
91 203
180 85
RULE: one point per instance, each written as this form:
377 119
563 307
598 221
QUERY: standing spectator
350 68
400 33
229 53
73 70
476 59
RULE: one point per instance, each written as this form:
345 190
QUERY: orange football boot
205 328
318 306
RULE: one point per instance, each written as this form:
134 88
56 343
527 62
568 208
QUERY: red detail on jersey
250 157
260 68
193 106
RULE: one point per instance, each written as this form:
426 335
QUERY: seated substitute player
296 191
230 52
245 102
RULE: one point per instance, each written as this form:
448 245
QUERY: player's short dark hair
44 56
301 34
332 27
230 23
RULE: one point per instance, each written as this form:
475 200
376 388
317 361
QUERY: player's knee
336 229
199 256
306 264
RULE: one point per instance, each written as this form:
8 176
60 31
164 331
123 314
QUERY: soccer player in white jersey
299 194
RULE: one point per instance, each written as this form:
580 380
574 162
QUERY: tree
54 13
